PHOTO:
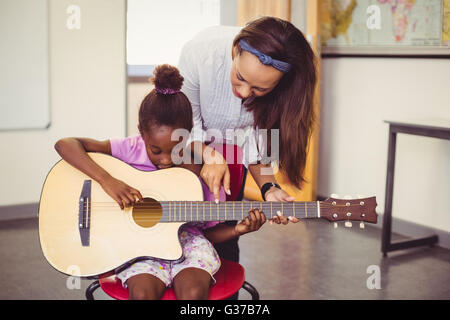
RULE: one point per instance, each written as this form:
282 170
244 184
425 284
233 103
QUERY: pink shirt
132 150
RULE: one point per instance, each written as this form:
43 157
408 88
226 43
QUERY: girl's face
250 78
159 145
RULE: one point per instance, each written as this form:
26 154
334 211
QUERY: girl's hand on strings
254 220
123 194
279 195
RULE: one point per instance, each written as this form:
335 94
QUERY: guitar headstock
362 209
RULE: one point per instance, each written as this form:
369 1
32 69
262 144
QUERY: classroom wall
88 82
87 94
357 95
136 93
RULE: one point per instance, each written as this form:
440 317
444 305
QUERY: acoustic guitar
82 228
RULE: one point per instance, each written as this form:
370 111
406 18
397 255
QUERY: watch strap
266 187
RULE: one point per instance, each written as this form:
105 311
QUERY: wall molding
414 230
410 229
19 211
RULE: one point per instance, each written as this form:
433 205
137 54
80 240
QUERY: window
157 30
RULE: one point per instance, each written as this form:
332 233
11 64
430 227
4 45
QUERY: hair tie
166 90
264 58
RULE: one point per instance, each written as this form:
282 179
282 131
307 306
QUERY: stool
427 130
229 279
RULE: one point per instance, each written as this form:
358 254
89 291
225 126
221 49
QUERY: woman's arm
214 169
263 174
255 147
223 232
74 151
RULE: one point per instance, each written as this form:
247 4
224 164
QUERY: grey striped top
205 64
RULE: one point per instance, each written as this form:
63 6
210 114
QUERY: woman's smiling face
250 78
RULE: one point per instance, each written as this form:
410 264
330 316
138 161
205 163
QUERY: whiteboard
24 65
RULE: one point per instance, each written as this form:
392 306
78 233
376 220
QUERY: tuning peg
334 195
361 225
348 224
335 225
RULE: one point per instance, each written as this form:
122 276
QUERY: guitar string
178 213
225 208
149 219
215 220
179 205
156 220
220 208
226 203
200 201
222 205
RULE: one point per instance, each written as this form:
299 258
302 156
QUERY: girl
162 111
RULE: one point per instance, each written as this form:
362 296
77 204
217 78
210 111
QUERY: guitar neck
187 211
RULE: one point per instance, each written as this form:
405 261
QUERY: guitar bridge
84 213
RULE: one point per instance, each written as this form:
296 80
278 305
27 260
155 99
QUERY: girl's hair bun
167 79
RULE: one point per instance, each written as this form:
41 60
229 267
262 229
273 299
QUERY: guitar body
115 236
84 232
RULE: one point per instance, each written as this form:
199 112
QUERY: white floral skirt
198 252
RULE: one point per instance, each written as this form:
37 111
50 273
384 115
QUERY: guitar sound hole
147 213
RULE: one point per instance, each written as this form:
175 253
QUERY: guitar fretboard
186 211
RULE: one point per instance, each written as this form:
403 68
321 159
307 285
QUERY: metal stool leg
90 290
251 289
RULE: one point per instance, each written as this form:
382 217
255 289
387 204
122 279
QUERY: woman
259 77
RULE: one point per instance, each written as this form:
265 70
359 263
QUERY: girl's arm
74 151
223 232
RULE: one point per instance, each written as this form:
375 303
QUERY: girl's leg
145 287
192 284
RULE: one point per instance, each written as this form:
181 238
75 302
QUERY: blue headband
265 59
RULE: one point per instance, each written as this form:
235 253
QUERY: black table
434 130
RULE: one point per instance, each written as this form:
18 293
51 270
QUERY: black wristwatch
266 187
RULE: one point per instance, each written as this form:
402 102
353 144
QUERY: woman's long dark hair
289 107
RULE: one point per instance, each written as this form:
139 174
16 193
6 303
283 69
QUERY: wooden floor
308 260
